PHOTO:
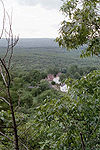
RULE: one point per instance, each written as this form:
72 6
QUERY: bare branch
2 98
82 141
3 26
6 136
3 77
20 123
4 70
23 145
7 73
6 127
11 40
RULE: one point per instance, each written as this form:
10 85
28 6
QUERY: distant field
28 57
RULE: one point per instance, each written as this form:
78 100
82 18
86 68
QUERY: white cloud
49 4
34 20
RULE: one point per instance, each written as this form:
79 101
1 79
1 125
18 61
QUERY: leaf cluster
81 26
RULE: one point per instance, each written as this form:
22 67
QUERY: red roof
50 77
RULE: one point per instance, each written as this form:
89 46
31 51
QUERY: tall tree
81 26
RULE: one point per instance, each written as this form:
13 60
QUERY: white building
56 80
64 88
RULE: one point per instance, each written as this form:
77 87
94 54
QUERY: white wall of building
56 80
64 88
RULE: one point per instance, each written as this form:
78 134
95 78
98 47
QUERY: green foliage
77 75
6 128
53 70
57 123
33 75
81 26
51 93
27 85
26 59
5 123
75 72
44 85
87 94
26 99
63 77
53 83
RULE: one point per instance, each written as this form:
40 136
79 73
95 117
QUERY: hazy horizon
32 42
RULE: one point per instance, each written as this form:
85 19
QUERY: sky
35 18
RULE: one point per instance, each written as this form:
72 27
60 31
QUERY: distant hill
45 53
32 42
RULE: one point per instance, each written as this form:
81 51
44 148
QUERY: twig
4 145
26 130
3 19
6 127
23 145
18 103
3 77
82 141
96 124
6 136
7 72
20 122
2 98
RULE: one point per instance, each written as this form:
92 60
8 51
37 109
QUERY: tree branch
3 26
82 141
2 98
6 136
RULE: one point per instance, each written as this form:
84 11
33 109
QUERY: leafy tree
44 85
26 99
62 77
70 122
43 75
35 92
81 26
64 70
72 69
77 75
53 70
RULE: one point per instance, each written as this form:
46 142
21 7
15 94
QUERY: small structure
56 80
50 77
64 88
